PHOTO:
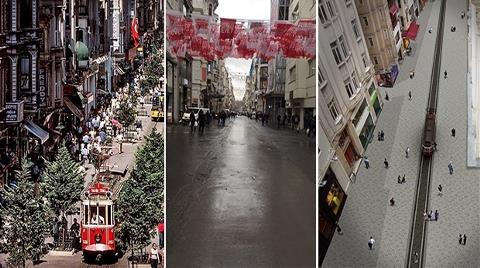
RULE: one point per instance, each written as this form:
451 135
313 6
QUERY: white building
348 104
300 73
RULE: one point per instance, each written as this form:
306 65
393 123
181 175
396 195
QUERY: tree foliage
140 204
63 183
126 113
24 219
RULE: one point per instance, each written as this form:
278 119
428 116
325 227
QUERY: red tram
428 144
97 228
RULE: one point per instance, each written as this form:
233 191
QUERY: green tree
126 113
24 219
139 219
63 184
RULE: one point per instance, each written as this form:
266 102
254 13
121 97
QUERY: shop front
331 200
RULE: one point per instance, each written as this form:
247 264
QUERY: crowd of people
286 121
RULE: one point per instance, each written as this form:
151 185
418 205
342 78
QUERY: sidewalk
367 211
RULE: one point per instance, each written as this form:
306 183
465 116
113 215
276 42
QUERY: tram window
109 215
101 215
85 214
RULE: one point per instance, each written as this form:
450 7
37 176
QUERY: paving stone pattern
367 211
459 205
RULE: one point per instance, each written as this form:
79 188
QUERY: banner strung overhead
201 36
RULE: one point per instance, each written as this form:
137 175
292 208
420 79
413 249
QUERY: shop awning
393 9
412 31
36 130
72 107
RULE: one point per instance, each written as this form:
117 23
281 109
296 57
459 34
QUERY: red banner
134 32
201 36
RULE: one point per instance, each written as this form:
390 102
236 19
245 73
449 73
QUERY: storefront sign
13 112
42 87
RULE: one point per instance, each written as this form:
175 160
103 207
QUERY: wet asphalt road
240 196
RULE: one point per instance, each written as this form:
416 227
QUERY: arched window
210 10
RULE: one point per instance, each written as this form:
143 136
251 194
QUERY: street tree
24 219
63 185
126 113
140 203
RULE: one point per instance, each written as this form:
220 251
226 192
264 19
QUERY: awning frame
36 130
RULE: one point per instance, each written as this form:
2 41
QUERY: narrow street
240 196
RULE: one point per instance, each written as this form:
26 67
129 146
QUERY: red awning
393 9
412 31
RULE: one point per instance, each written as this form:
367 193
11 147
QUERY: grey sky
247 10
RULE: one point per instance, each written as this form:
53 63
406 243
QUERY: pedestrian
450 168
279 118
201 122
154 257
284 119
460 239
425 216
409 95
412 74
403 179
453 132
55 229
462 14
464 239
430 214
407 151
367 162
435 146
75 234
382 134
371 242
392 202
445 74
430 30
440 189
192 122
399 180
379 137
436 215
385 162
386 96
339 230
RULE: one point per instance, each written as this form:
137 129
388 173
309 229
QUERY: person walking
407 151
453 132
445 74
385 162
440 189
464 239
460 239
412 74
392 202
409 95
403 179
367 162
263 119
279 118
382 135
430 214
430 30
399 179
284 119
436 214
386 96
154 256
462 14
192 122
425 216
371 241
201 122
450 168
55 230
75 233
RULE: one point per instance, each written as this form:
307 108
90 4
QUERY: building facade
349 105
300 91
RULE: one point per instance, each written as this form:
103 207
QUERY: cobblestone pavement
459 204
367 211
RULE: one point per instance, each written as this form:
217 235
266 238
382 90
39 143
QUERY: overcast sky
247 10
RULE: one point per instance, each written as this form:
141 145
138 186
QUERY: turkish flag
134 32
